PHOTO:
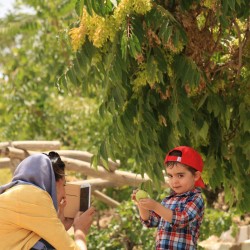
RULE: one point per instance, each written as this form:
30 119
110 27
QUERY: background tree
169 73
34 52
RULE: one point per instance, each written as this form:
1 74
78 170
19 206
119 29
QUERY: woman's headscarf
35 170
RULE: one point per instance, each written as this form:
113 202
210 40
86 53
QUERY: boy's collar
190 192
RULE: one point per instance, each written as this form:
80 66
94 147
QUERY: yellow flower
77 36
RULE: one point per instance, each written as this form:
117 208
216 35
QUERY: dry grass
5 176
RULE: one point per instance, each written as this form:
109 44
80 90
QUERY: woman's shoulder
26 193
26 188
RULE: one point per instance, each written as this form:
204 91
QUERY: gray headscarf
35 170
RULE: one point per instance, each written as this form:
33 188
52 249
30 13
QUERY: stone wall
227 242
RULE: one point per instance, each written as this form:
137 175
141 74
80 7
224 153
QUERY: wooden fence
12 153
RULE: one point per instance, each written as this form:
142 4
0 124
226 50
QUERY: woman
31 208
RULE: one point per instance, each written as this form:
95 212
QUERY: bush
125 231
215 222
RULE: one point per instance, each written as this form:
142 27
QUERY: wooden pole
119 178
37 145
5 163
95 183
16 153
85 156
103 178
106 199
3 146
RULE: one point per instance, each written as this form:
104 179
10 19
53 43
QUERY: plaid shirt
183 232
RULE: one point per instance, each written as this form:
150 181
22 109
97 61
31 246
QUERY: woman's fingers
90 211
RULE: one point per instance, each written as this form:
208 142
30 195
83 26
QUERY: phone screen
84 198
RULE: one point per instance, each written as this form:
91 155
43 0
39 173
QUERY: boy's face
181 180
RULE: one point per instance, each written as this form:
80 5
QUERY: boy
179 216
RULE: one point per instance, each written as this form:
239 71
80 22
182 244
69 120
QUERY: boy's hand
144 212
147 203
133 198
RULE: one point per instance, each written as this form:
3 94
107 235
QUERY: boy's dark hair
57 164
172 163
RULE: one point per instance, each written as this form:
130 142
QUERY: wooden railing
12 153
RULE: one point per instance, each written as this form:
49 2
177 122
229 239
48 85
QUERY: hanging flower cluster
101 29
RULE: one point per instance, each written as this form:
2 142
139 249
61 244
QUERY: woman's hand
67 222
83 221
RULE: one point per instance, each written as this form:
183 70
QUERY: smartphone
85 194
78 197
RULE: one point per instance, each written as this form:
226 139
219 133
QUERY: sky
5 6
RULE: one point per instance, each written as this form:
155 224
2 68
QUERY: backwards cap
189 157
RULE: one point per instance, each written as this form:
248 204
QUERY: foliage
215 222
34 53
169 73
125 230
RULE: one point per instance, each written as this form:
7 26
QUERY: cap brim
200 183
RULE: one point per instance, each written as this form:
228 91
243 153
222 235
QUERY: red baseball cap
189 157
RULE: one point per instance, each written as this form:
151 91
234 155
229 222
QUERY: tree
169 73
34 53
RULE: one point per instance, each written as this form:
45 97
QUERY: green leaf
202 101
180 66
117 96
239 2
64 82
120 125
160 58
96 7
174 113
165 32
165 13
134 45
176 38
138 140
149 118
185 4
124 45
148 187
103 151
83 62
228 114
94 161
79 7
88 4
72 76
126 121
151 69
204 131
225 6
78 69
102 110
231 4
144 137
187 74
